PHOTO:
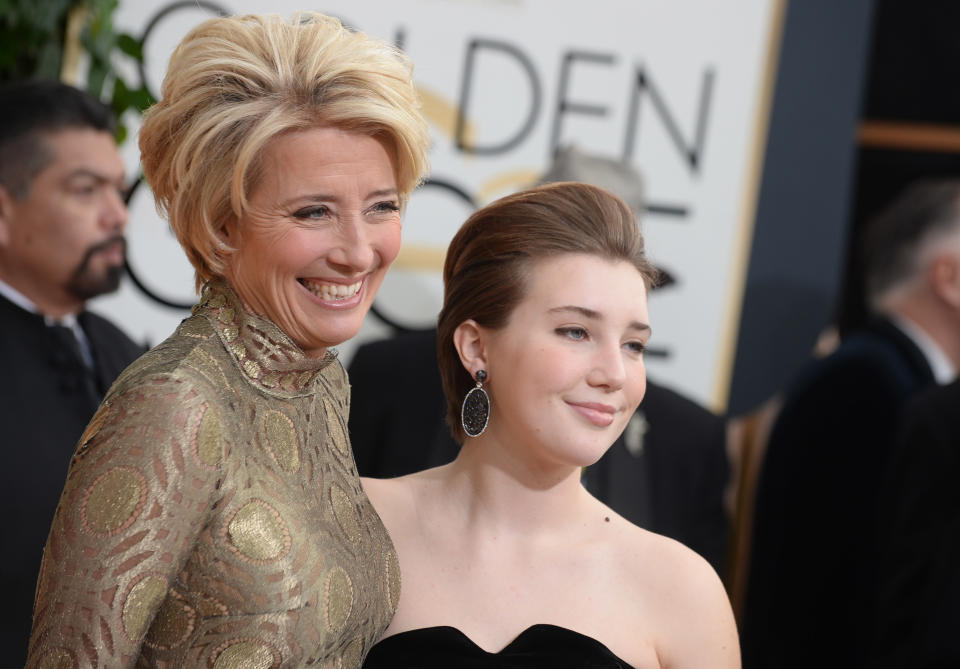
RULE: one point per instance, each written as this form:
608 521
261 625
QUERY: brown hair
235 83
484 274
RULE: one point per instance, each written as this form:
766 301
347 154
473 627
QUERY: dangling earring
475 411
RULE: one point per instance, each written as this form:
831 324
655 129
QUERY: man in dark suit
811 591
918 603
62 217
397 408
666 473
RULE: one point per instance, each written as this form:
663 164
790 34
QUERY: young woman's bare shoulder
686 598
395 500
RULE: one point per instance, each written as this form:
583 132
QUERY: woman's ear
468 339
230 233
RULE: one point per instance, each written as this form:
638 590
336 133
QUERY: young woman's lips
597 413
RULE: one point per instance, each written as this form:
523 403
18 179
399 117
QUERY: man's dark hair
893 240
31 109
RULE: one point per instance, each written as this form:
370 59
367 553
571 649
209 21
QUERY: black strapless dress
538 646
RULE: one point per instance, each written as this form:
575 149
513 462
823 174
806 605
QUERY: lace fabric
212 514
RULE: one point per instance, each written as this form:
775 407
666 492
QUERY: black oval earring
475 411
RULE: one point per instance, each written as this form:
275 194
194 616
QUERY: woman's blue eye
636 346
386 207
312 212
573 333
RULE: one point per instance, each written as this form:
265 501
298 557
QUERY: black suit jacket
673 485
397 407
44 408
812 568
918 604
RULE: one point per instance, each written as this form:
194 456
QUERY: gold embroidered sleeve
138 492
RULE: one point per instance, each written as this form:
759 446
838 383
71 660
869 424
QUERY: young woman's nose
609 370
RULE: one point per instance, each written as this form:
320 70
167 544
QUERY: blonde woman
212 515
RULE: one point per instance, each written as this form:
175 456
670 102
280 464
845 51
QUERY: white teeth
332 291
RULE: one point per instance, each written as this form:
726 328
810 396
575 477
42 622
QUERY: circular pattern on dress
58 658
344 513
281 440
335 432
338 599
209 439
140 603
209 606
351 654
173 624
257 533
113 501
245 654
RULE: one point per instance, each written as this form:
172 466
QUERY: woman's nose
353 250
608 369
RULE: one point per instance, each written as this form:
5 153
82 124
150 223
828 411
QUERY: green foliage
32 44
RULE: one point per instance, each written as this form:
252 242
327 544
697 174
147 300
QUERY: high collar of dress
265 354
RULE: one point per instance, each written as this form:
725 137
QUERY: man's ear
945 277
6 216
469 340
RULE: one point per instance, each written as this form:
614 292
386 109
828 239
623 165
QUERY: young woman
506 560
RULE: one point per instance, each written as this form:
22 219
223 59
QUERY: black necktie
75 376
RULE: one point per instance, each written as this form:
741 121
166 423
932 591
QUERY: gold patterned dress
212 514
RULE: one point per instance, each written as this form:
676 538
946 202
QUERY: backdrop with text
680 90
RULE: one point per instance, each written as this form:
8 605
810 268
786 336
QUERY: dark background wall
800 231
866 101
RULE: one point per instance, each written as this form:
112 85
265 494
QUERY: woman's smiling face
321 229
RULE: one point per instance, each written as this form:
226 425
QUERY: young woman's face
567 372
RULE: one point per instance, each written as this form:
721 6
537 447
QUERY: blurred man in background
813 568
62 218
918 590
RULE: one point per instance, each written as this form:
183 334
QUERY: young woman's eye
575 333
637 347
312 213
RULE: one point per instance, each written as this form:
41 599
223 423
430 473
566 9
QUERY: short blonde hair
235 83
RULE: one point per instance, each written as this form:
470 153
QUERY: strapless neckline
540 645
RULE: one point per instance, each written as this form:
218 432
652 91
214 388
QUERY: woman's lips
597 413
335 294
